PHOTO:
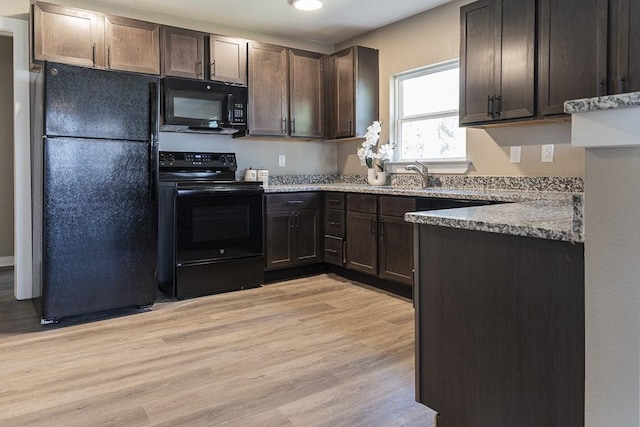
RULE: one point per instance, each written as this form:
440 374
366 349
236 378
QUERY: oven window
218 226
219 223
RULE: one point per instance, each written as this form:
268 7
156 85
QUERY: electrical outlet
281 160
547 153
515 153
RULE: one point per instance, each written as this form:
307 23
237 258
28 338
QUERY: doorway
6 153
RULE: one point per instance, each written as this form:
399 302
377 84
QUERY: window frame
451 164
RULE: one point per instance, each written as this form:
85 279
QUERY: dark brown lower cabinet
500 329
395 249
379 241
362 244
334 228
292 230
395 240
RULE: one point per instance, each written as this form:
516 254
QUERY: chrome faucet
423 172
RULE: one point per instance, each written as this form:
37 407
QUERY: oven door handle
195 192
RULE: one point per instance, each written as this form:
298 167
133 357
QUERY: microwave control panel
238 113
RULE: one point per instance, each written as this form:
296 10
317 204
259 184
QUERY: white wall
612 287
18 29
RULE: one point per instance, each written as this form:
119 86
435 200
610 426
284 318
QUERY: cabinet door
268 94
395 249
305 94
515 59
344 93
362 252
67 35
228 60
572 62
625 62
306 236
183 52
278 246
132 45
477 61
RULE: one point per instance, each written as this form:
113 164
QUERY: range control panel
192 160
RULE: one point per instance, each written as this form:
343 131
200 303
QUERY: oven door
218 223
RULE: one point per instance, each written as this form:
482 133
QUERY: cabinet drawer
334 222
361 203
396 206
333 250
292 201
334 200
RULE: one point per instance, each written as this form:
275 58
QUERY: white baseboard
6 261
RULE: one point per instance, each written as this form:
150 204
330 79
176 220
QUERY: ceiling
337 21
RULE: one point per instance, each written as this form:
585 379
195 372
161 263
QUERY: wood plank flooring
319 351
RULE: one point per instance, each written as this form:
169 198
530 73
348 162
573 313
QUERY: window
426 114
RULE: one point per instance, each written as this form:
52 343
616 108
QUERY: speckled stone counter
624 100
547 215
605 121
547 219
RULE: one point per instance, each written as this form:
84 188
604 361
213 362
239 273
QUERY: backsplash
474 182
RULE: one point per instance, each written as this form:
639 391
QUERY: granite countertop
547 215
624 100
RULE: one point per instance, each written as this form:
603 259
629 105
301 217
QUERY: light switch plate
514 154
281 160
547 153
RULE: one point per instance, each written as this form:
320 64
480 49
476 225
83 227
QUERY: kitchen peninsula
499 298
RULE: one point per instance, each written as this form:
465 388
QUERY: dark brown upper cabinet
497 60
624 45
80 37
228 60
306 101
268 94
67 35
353 91
521 60
182 53
132 45
572 52
286 92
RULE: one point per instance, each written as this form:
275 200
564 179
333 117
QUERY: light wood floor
319 351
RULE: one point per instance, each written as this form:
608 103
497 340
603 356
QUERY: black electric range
210 225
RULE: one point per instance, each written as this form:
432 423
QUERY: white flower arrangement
366 153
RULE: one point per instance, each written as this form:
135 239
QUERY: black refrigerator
94 162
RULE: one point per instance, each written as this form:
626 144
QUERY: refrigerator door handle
153 137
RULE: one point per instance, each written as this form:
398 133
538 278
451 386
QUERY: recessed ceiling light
307 4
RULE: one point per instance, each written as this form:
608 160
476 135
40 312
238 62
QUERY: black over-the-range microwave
199 106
